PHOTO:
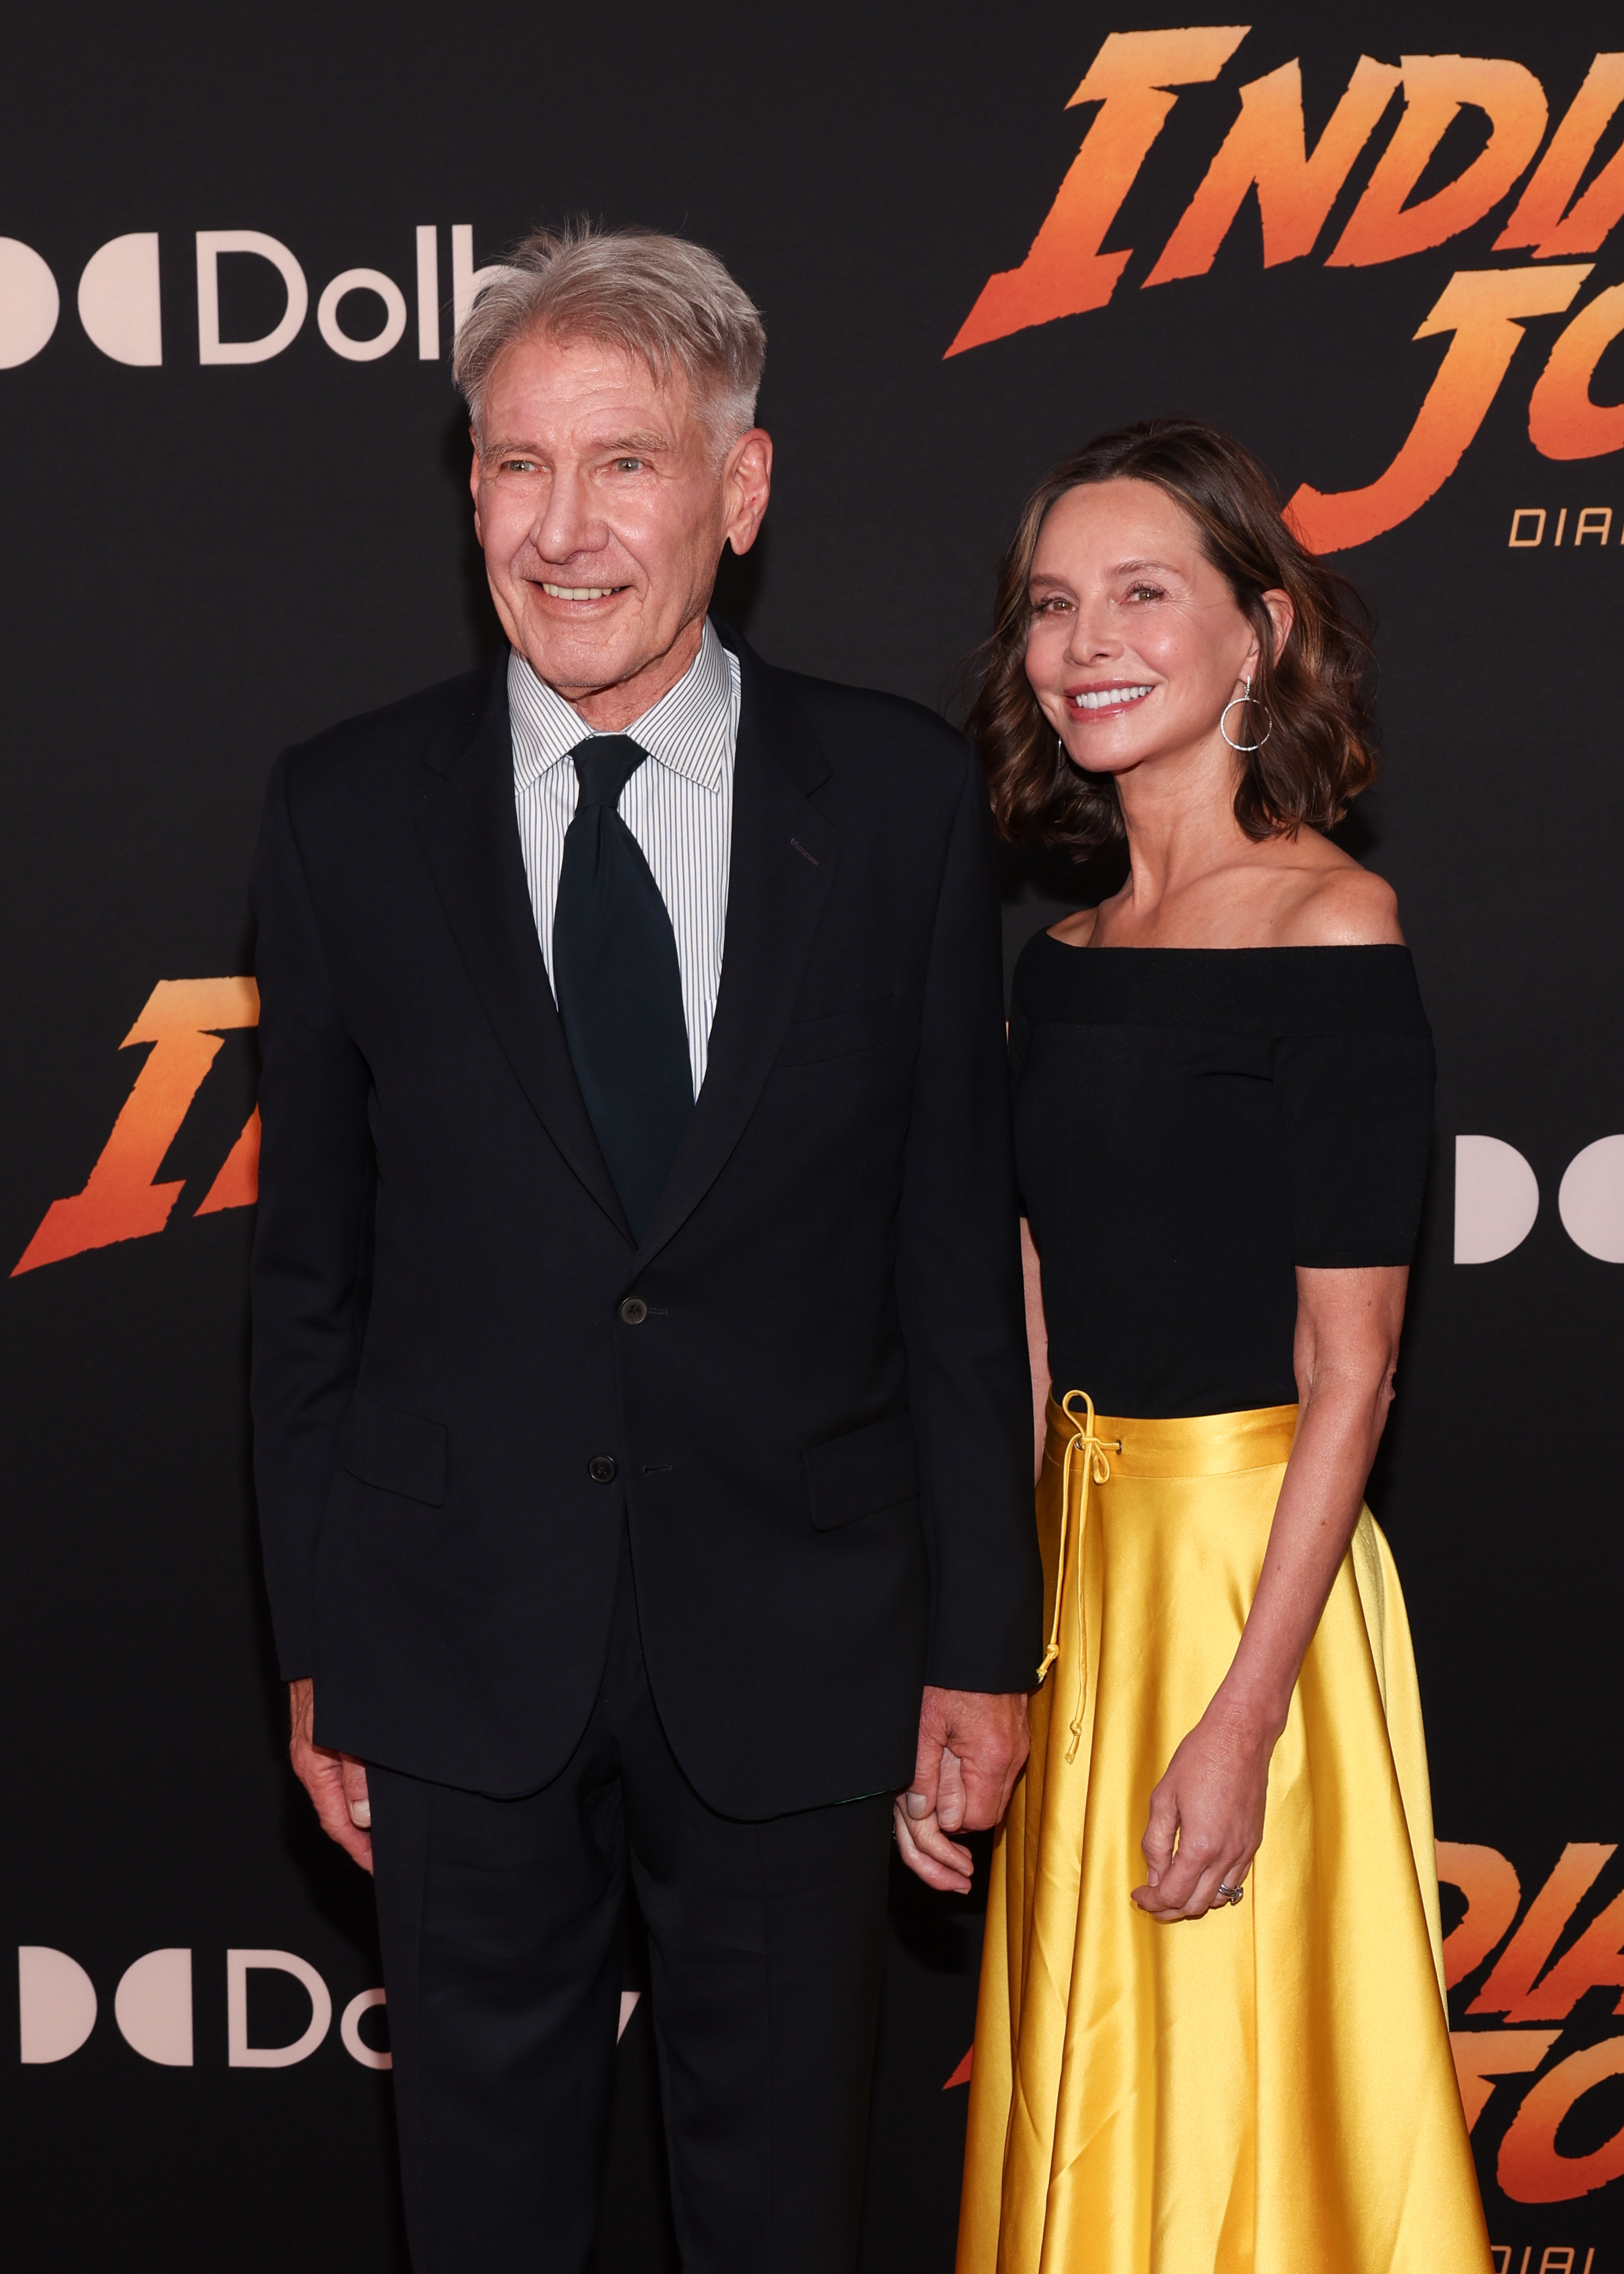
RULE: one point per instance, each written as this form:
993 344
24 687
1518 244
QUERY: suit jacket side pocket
395 1452
867 1470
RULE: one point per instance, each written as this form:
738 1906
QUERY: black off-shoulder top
1191 1124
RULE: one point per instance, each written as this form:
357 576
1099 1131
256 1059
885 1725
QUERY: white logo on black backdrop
1497 1198
57 2009
120 298
152 2006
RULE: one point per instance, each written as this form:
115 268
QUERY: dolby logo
57 2007
1497 1198
361 314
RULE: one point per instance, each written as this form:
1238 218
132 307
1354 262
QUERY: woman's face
1136 642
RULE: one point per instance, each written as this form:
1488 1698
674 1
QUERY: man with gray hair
642 1424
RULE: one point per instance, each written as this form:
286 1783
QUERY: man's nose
565 523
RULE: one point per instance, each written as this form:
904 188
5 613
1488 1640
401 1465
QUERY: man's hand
971 1744
337 1782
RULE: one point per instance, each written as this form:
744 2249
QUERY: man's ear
747 482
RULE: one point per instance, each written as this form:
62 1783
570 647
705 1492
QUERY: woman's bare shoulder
1077 930
1341 906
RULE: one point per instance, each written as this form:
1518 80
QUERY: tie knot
603 765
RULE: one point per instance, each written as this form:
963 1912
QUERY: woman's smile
1111 698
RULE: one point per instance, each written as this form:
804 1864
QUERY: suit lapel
470 835
782 863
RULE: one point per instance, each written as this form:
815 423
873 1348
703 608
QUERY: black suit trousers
500 1925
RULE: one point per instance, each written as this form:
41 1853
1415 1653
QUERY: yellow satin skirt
1268 2090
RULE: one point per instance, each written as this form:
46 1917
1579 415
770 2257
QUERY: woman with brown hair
1212 2036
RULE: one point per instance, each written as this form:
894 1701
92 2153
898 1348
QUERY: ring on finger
1229 1894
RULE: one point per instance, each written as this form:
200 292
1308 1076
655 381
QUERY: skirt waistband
1203 1445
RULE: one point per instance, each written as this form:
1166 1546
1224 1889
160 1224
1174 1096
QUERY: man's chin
594 646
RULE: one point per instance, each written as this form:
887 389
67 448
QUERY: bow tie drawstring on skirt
1096 1469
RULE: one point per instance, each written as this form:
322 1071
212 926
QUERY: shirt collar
690 730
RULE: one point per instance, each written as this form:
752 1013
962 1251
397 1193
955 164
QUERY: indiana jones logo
123 1197
1068 270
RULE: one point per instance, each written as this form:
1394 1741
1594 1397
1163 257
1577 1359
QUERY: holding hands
972 1746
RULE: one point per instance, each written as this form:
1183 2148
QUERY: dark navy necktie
618 986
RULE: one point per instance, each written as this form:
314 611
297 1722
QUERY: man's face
602 503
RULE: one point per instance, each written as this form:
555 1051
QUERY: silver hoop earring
1229 706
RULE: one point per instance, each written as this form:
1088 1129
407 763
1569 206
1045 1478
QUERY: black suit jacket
819 1433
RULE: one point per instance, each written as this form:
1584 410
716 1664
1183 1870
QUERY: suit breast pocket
395 1452
869 1469
841 1034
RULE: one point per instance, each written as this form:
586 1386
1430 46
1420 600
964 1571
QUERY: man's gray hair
669 304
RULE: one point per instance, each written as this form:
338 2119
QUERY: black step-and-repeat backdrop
1379 243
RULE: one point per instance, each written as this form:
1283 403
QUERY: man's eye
518 465
628 465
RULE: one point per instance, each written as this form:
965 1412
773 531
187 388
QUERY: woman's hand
1211 1801
1212 1798
925 1847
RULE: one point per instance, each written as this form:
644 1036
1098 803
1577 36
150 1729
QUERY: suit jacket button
603 1468
633 1311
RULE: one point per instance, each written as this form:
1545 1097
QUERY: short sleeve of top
1353 1077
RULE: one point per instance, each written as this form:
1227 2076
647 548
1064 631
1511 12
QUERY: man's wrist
979 1678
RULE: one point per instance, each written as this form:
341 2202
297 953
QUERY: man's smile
582 591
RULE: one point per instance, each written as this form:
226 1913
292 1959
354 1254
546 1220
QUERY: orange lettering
1538 218
1065 272
1381 226
1267 147
237 1185
1596 1961
1531 2170
121 1199
1493 1893
1480 306
1482 2055
1563 420
1529 1948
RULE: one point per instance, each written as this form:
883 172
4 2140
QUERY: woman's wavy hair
1315 689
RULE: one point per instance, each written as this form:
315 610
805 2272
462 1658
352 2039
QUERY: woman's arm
1037 1345
1211 1798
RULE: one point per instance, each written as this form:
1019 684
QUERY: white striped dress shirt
679 805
